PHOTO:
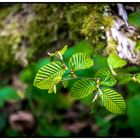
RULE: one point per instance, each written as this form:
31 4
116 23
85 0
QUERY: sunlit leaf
63 50
80 61
49 75
115 61
82 88
138 78
113 101
105 77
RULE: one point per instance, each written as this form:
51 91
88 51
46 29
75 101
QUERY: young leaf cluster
57 71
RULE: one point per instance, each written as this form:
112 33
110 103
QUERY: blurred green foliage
134 19
6 94
133 115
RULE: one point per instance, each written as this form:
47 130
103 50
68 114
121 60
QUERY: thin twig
96 96
88 78
79 78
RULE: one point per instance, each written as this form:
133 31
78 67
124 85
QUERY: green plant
8 93
134 19
56 71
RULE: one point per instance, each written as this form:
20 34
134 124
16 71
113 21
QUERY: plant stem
113 72
61 58
88 78
96 96
100 92
79 78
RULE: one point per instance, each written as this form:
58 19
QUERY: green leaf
52 58
52 88
80 61
138 78
58 53
115 61
134 19
105 77
65 84
63 50
82 88
122 79
113 101
49 75
137 47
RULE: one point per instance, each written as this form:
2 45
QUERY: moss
58 22
47 23
12 31
75 14
48 26
108 22
95 24
111 47
4 11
